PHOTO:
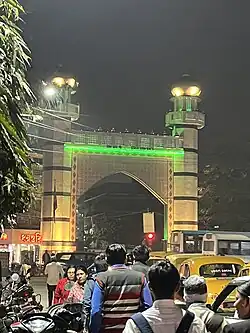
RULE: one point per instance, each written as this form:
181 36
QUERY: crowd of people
131 298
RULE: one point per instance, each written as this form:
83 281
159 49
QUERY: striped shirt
118 293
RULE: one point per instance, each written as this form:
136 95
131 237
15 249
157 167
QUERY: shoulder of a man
136 274
197 325
242 326
131 327
48 266
101 278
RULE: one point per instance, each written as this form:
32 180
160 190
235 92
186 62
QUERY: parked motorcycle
14 314
61 322
18 291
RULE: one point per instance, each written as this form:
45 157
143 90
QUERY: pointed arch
156 195
131 176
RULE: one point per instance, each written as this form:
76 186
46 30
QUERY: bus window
189 244
219 270
245 249
208 246
234 248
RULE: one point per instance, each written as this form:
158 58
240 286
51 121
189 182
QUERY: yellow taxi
178 258
217 270
245 271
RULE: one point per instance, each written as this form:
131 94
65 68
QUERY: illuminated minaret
184 120
57 223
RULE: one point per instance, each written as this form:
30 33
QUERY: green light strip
126 151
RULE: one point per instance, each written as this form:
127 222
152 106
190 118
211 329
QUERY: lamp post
57 93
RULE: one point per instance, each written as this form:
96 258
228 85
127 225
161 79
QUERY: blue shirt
88 292
98 299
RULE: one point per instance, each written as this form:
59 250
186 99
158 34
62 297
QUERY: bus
187 241
227 243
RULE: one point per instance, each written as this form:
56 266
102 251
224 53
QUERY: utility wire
62 118
46 150
48 127
46 139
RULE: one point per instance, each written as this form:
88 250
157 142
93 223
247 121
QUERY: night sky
127 53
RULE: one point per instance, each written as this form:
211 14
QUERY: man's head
195 289
141 253
164 279
242 302
116 254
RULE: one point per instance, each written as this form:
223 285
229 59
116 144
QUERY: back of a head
141 253
244 289
195 289
116 254
164 279
101 266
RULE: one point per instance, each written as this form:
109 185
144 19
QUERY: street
40 287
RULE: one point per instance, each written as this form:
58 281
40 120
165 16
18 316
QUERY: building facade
167 166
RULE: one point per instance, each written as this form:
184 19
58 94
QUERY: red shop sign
31 238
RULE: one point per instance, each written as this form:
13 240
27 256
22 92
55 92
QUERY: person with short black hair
54 273
141 256
195 295
118 293
164 315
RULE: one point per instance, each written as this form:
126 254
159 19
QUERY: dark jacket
140 267
240 327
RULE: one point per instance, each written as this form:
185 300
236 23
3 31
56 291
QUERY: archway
112 211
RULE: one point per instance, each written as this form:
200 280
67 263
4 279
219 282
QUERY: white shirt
55 272
165 316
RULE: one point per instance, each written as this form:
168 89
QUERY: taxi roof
183 255
203 260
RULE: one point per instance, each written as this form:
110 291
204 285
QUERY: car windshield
219 270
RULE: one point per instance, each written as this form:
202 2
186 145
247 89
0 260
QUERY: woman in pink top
76 294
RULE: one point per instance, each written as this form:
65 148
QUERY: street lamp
62 82
49 91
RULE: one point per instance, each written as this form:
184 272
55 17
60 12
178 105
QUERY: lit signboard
31 238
